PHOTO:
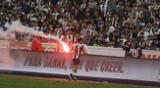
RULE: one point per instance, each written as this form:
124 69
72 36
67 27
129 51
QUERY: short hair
79 39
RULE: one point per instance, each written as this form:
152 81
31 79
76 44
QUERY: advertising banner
17 45
150 54
103 51
106 51
48 47
4 44
147 54
90 66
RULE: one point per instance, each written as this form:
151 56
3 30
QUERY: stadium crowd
107 23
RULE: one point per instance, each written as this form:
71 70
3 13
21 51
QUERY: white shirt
111 29
79 49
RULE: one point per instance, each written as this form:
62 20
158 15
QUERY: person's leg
74 69
71 74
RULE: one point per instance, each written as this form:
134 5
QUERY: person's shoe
71 76
75 77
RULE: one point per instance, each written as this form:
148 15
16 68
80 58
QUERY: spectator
104 24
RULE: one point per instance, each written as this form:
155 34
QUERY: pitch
14 81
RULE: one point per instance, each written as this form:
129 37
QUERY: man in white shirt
78 49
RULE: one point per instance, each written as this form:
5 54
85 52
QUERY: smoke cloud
5 60
2 34
16 27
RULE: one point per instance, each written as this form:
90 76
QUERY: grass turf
14 81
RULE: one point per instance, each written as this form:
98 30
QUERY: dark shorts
76 61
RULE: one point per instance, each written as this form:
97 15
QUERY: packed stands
107 23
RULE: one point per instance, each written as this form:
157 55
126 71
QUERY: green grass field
13 81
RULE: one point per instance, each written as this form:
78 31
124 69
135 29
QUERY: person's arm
72 49
85 49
